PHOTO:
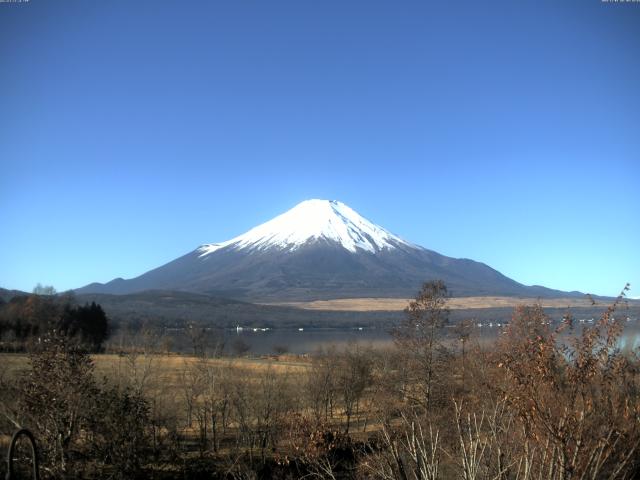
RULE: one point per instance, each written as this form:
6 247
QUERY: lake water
258 341
310 340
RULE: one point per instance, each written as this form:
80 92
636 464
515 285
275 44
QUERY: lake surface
311 340
265 341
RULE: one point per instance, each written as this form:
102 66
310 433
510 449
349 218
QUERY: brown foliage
545 402
577 403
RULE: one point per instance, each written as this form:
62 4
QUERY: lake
265 341
301 341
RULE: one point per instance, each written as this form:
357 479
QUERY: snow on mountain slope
318 250
314 220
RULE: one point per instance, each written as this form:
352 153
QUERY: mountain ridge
319 249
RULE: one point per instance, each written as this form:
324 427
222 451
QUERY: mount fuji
318 250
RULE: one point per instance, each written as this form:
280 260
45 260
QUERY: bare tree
463 331
411 452
321 386
354 376
40 289
418 336
57 397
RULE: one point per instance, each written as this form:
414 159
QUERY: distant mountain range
319 249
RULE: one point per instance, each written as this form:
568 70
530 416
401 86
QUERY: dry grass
166 368
398 304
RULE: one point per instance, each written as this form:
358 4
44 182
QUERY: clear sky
503 131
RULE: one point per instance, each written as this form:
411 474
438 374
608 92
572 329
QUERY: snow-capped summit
311 220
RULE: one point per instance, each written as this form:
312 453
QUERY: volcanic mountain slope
319 249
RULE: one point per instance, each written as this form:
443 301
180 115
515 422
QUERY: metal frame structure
23 432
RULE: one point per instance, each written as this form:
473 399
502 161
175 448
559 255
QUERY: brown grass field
397 304
166 369
162 376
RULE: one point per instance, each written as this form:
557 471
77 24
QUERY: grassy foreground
537 404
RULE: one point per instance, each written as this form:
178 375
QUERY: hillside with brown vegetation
538 404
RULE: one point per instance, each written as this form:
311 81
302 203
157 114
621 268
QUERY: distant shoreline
459 303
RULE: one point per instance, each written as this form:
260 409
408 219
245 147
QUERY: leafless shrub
578 404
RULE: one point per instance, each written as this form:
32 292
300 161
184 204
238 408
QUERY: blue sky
507 132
